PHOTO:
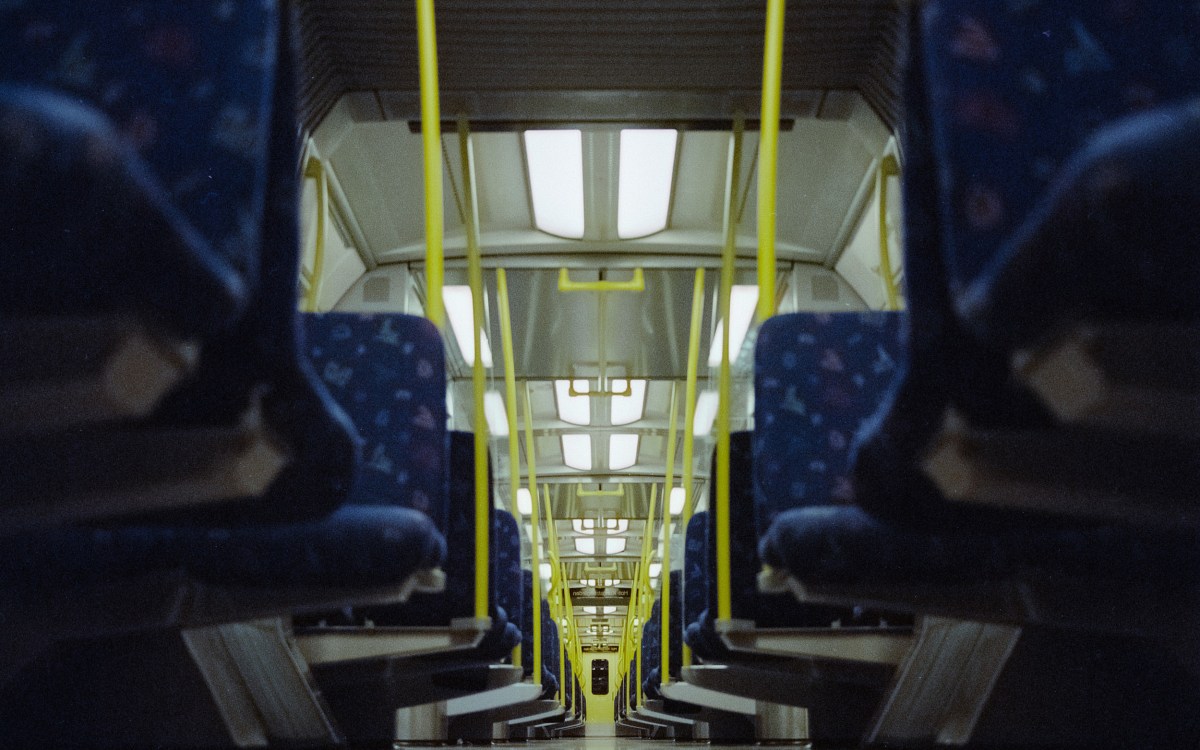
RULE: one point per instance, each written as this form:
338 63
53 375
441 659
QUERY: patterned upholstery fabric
818 378
695 567
189 86
354 547
69 185
845 545
1016 88
387 372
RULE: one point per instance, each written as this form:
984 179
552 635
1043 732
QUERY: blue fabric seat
190 90
549 676
652 640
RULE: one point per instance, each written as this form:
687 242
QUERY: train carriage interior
600 374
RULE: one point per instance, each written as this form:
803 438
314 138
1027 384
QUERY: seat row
1001 481
205 490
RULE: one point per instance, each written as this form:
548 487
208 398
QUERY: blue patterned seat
191 91
652 640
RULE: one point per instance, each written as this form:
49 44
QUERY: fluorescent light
573 409
493 411
607 610
677 498
587 546
741 311
706 413
628 409
524 501
622 451
614 546
460 309
591 582
577 451
655 570
555 159
589 610
545 569
647 165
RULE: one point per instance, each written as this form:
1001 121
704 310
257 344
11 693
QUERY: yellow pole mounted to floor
431 139
768 156
689 416
483 489
889 167
510 404
724 381
535 543
558 582
668 484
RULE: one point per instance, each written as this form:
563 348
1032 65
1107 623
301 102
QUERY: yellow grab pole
314 169
431 139
889 167
556 575
669 483
724 388
510 404
689 415
768 156
535 544
483 499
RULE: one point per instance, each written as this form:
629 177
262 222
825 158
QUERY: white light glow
614 546
589 610
655 570
573 409
628 409
647 166
741 311
577 451
493 411
555 160
706 413
524 501
622 451
617 525
545 569
587 546
677 498
460 310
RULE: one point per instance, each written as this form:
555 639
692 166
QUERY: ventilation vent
824 288
378 289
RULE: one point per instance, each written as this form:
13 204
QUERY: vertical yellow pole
552 544
510 403
724 386
689 440
889 167
669 483
768 156
431 139
535 543
483 499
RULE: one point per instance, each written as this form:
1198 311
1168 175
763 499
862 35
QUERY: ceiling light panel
622 451
742 302
577 451
587 546
647 166
677 498
459 303
524 501
573 409
706 413
627 409
493 411
555 160
614 546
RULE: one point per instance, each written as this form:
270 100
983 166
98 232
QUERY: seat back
191 86
1013 90
818 378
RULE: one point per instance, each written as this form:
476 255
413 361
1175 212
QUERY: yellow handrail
724 389
635 284
483 498
889 167
315 169
431 139
689 415
510 403
768 156
535 542
668 484
581 492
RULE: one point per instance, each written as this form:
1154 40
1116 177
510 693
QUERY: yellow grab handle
636 284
